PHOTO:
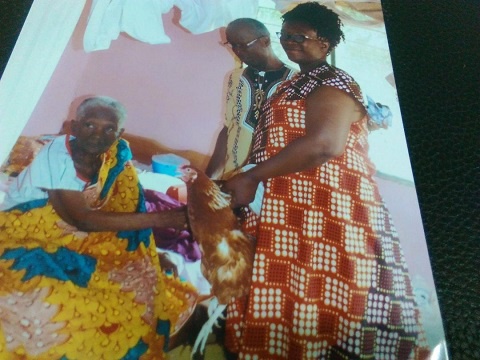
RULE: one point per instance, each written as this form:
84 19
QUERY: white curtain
47 30
200 16
142 19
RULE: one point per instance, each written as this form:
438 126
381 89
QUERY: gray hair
89 105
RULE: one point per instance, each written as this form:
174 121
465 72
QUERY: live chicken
227 253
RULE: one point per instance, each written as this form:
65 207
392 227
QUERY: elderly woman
79 273
329 278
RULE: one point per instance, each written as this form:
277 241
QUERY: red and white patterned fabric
329 279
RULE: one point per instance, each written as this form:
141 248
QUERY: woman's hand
242 187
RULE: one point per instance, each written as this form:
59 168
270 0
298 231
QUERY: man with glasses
247 89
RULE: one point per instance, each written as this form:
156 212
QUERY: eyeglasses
297 38
241 46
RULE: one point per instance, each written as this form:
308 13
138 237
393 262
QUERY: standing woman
329 279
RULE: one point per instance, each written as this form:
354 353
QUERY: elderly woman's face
302 44
97 131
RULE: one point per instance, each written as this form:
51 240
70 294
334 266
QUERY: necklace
259 95
261 83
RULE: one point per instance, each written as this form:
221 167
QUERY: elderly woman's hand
173 218
242 187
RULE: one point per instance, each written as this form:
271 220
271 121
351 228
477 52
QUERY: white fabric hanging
42 40
141 19
200 16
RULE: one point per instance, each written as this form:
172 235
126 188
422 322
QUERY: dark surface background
435 54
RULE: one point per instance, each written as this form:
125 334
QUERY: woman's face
306 48
97 132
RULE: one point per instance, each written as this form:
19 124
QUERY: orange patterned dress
329 279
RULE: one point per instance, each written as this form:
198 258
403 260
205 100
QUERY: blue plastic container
167 164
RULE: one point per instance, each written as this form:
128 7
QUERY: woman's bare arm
73 209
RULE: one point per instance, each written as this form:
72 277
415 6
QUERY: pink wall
173 92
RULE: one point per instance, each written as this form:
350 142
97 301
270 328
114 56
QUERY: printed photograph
209 180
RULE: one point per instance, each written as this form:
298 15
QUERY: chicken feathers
227 253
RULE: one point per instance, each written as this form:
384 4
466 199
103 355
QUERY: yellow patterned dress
329 279
68 295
